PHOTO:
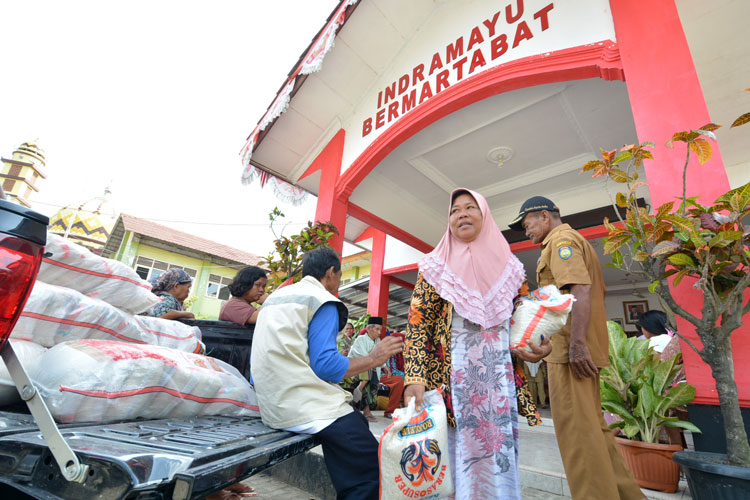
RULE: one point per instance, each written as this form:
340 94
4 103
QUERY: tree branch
666 294
683 208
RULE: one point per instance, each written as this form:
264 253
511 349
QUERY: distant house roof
168 235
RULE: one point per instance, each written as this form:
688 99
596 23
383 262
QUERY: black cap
375 320
534 204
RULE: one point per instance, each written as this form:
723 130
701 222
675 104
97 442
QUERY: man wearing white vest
296 368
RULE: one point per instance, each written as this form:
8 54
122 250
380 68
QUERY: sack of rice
28 353
543 312
414 454
74 266
55 314
101 381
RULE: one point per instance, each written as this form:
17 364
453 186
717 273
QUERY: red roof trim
295 72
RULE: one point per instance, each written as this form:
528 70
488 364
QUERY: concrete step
542 473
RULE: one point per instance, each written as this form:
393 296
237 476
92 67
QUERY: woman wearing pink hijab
457 338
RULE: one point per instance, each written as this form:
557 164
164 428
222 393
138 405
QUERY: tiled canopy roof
169 235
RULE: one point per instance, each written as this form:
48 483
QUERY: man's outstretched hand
386 348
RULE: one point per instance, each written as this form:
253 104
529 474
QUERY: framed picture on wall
619 321
633 309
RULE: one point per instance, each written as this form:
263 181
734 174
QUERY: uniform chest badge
565 252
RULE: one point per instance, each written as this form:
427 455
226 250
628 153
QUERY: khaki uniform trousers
536 384
593 464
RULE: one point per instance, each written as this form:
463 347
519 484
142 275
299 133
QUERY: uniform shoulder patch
563 243
565 252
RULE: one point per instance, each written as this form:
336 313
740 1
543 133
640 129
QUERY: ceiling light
499 155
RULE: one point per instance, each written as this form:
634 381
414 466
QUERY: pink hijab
480 278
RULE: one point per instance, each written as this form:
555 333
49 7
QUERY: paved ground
269 488
540 463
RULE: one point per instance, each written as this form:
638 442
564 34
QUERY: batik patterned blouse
427 350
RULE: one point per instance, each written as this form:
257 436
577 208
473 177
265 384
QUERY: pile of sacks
94 359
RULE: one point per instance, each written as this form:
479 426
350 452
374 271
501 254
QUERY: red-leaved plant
707 246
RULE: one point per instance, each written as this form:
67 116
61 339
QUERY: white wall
399 254
614 303
569 24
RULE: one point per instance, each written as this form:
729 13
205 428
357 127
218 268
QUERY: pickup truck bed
151 459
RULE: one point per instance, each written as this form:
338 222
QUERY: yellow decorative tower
20 173
88 223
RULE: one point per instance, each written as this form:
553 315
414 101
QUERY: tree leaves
684 136
702 148
682 259
286 260
618 175
743 119
615 242
637 386
680 223
664 247
621 200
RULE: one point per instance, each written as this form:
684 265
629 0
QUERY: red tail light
19 264
23 234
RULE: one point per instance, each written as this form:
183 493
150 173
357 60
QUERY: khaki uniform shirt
568 259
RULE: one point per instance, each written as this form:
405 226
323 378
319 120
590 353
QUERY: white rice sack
55 314
102 381
414 452
28 353
74 266
543 312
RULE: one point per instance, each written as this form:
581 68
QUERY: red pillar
666 97
331 207
377 295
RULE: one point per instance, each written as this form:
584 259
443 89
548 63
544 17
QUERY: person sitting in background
654 327
346 340
173 286
247 287
367 390
394 381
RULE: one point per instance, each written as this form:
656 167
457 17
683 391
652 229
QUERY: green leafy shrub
285 261
637 387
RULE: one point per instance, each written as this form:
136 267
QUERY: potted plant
704 247
637 386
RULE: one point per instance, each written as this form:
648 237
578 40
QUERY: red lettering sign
486 42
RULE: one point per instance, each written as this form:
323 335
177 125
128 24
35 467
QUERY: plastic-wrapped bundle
103 381
543 312
74 266
28 353
55 314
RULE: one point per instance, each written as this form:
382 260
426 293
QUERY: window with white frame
149 269
218 287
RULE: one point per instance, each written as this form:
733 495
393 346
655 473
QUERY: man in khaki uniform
593 465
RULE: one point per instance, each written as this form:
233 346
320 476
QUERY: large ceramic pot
651 464
711 479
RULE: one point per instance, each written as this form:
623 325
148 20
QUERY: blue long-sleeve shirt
325 359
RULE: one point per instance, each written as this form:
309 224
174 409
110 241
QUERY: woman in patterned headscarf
173 287
457 338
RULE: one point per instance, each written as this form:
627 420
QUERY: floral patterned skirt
484 404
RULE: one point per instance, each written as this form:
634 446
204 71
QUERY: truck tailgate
148 459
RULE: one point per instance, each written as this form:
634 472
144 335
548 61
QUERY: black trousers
351 454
